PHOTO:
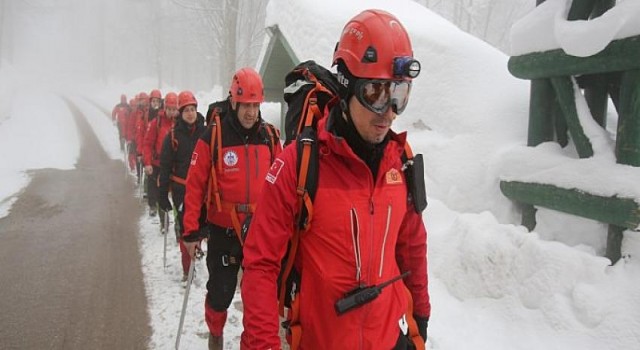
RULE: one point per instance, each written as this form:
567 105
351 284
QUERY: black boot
215 343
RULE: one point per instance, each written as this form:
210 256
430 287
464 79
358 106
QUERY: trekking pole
141 188
164 232
199 253
126 159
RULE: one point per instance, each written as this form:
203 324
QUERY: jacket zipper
384 239
355 238
246 152
257 162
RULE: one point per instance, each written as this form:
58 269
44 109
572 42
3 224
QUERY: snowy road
69 261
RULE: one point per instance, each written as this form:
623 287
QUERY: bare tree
233 31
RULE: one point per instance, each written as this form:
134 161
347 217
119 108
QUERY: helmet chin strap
346 113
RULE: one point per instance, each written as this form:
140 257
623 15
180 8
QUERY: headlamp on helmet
406 67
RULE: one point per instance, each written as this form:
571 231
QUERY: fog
194 44
179 42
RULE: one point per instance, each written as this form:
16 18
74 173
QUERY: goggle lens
378 95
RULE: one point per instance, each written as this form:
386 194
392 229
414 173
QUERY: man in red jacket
364 230
175 160
157 129
141 117
119 116
130 133
227 169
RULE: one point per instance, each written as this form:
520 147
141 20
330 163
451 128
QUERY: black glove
163 201
423 323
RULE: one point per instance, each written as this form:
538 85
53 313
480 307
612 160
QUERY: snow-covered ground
493 285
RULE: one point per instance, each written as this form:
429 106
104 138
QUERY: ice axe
199 254
126 159
141 188
164 231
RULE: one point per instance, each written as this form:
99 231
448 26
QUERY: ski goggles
378 95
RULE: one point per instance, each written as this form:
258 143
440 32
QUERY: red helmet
246 86
171 100
375 45
155 93
143 98
186 98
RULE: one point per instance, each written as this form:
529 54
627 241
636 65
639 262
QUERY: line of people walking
361 257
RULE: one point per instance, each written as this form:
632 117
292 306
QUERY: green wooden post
528 216
614 89
628 137
541 115
602 6
565 92
627 145
581 9
560 124
595 93
596 89
614 243
541 105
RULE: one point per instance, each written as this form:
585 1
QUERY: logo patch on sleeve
393 177
274 171
194 158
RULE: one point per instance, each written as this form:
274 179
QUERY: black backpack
219 107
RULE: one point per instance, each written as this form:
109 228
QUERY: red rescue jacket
119 114
246 158
142 119
359 227
156 132
130 125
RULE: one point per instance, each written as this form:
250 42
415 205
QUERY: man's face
371 126
143 104
155 103
171 112
189 114
248 114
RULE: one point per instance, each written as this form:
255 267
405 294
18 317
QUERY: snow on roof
547 28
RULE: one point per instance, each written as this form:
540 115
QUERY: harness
213 192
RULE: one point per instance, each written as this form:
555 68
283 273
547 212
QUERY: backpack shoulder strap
174 141
274 136
215 143
306 185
